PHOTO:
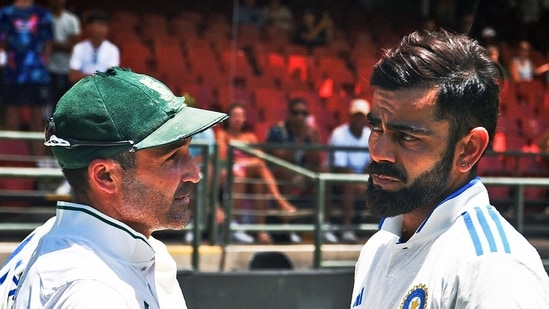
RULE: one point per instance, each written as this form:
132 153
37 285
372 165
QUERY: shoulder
220 134
71 15
61 264
111 45
482 280
279 126
85 44
342 128
277 132
250 137
70 18
482 238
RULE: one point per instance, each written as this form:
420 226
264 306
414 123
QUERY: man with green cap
122 140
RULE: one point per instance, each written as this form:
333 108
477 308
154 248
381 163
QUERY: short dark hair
234 105
458 67
294 101
94 16
78 177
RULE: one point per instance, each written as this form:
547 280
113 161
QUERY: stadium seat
135 55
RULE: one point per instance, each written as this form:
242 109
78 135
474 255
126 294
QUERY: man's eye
376 127
407 137
172 157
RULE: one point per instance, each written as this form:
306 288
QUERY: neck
233 131
56 11
411 222
96 43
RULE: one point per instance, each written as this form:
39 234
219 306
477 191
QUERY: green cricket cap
119 110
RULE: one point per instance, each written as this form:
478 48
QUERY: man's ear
473 146
105 175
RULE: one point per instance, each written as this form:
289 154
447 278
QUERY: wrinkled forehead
403 100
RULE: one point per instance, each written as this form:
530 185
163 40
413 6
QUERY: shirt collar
472 194
113 236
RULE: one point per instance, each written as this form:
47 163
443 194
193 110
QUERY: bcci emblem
416 298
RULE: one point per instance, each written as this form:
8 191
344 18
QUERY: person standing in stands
25 36
312 32
66 33
122 140
278 15
354 133
95 53
441 244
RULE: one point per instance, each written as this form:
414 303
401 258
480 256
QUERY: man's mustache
386 169
184 189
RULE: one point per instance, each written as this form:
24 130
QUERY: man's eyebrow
401 127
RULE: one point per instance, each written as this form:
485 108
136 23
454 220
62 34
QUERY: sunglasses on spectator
300 112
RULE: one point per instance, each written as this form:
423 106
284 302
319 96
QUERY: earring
465 164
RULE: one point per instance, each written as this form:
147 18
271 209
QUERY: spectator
247 166
95 53
495 56
26 35
441 244
66 33
249 13
278 15
295 131
131 175
290 134
522 68
355 133
488 36
311 33
523 71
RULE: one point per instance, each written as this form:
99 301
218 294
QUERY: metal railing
322 179
207 195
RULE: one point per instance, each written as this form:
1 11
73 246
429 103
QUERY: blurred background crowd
292 72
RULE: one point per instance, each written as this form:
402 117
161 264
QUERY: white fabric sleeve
501 281
76 58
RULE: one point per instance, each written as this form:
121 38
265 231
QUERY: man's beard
426 191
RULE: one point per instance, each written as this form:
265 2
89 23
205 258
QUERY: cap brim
186 123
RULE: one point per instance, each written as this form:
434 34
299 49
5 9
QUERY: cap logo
164 93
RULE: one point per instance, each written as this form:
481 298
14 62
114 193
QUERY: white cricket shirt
64 26
356 160
87 59
89 260
464 255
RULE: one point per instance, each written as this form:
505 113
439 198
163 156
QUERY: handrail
323 178
207 197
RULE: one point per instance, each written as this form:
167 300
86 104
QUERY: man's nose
382 149
191 171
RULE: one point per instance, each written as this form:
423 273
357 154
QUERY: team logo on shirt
416 298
